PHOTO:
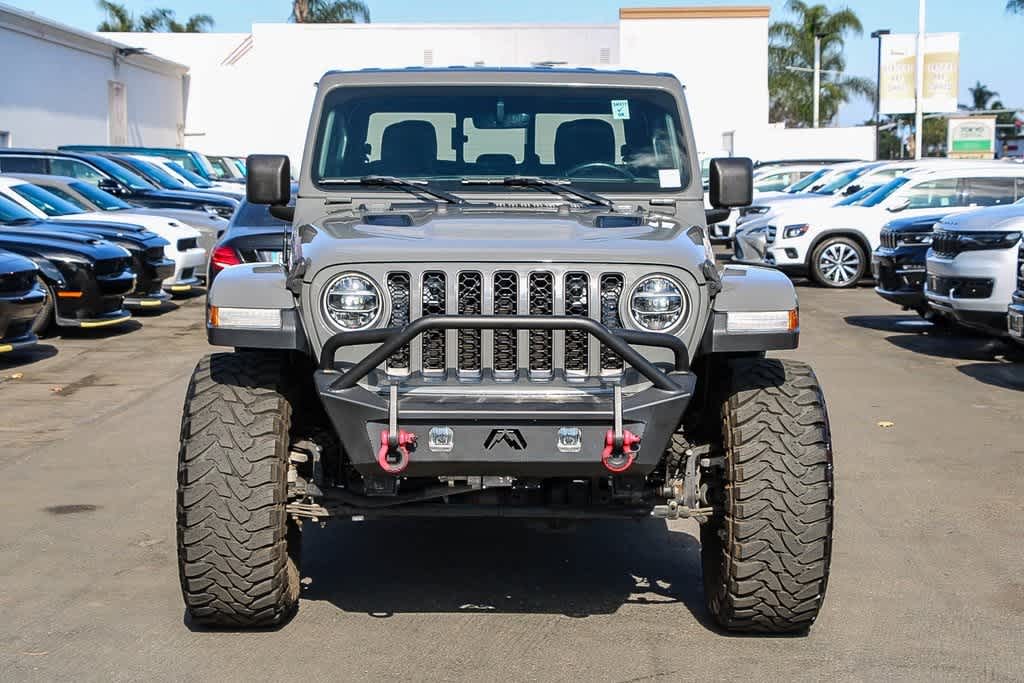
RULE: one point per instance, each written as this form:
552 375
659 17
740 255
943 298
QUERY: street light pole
877 35
817 77
919 85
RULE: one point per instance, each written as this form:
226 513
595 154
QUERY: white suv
972 266
833 244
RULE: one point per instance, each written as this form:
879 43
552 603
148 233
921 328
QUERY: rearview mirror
269 179
731 182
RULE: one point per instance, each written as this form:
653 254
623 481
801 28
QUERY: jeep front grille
542 302
945 243
505 353
888 239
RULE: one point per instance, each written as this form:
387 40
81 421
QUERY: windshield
601 138
802 185
103 200
45 201
11 211
159 175
883 193
122 174
842 180
188 175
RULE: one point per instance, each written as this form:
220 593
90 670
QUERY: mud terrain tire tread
232 529
766 563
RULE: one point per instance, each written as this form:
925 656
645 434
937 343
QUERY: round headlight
657 303
352 302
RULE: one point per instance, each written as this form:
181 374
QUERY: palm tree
791 57
119 19
1015 6
981 95
329 11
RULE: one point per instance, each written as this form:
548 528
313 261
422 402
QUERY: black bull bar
612 429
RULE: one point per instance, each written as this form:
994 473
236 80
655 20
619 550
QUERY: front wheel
838 262
237 550
766 558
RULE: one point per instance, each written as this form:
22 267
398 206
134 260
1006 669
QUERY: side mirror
850 189
268 180
110 185
899 205
731 182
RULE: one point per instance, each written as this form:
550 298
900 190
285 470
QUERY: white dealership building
252 92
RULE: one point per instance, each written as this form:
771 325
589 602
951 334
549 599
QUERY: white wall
768 143
722 62
54 88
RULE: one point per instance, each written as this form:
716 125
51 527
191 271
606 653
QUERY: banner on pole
899 73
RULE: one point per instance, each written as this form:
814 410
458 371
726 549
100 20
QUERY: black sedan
899 264
86 278
113 178
253 236
150 265
21 299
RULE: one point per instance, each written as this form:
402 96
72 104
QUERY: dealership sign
897 84
972 138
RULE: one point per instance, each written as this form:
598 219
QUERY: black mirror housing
731 182
268 179
111 186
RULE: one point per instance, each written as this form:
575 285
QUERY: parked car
86 277
112 177
832 245
899 262
192 160
88 197
149 263
1015 313
22 297
176 269
228 168
771 180
156 171
973 267
254 236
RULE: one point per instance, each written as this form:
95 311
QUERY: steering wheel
600 164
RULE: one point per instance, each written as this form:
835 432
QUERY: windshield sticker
669 177
620 109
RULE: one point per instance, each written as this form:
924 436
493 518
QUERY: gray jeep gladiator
498 299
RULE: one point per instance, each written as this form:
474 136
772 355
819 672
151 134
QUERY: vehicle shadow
389 567
22 357
1002 375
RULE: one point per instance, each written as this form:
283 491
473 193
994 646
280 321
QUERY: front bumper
974 288
148 292
188 265
1015 318
900 275
98 301
17 312
502 427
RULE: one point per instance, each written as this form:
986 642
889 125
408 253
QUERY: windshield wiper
416 187
559 187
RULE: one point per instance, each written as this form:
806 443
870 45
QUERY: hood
41 242
12 263
190 196
130 221
189 219
915 223
131 236
504 237
1009 218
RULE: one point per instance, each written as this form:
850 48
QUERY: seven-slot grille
888 239
505 292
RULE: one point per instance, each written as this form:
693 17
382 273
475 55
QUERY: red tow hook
392 448
617 458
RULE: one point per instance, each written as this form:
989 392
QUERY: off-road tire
766 560
234 536
848 245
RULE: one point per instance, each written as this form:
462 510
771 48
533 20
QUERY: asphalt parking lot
926 575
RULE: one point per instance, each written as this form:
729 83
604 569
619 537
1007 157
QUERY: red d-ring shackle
403 442
618 462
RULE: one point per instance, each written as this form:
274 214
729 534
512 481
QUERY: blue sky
988 36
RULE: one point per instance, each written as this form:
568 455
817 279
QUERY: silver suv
499 300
